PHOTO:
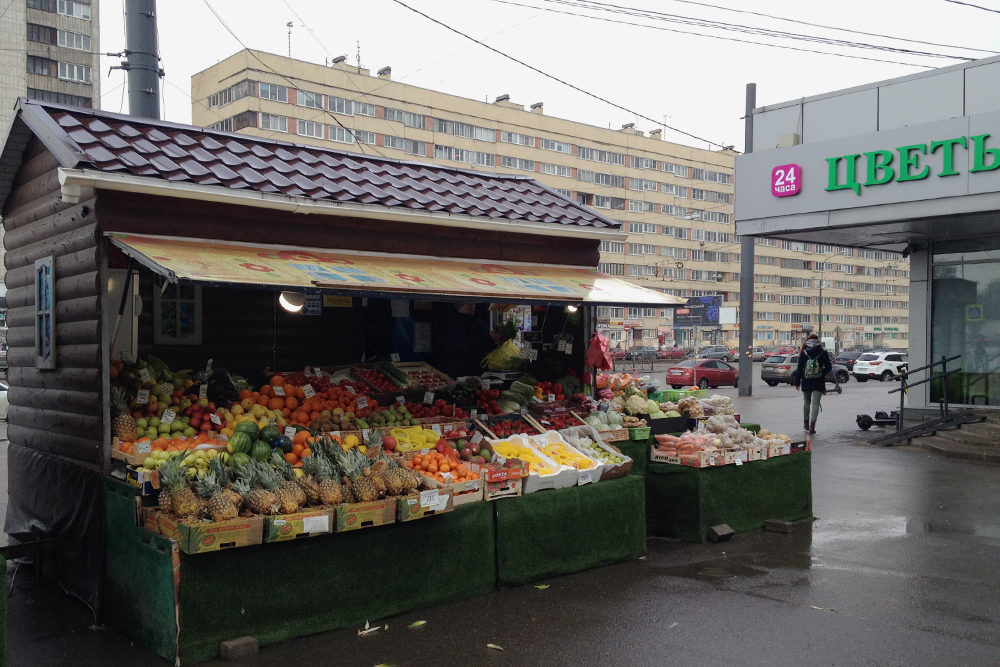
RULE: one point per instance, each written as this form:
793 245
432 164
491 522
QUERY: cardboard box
775 450
509 488
753 452
607 471
148 483
314 522
424 504
462 492
797 447
137 459
201 538
365 515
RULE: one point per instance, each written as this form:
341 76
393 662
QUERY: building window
339 105
270 91
310 129
73 40
556 169
486 134
565 193
517 163
74 72
363 137
675 169
340 134
406 118
408 146
608 179
44 5
177 315
45 326
364 109
314 100
713 176
515 138
42 34
642 163
272 122
611 269
237 91
616 247
489 160
557 146
675 190
61 98
42 66
75 9
676 211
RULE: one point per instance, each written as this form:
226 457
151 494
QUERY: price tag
411 501
215 419
165 388
279 522
366 434
353 391
308 391
144 447
472 485
144 374
534 399
168 417
278 391
584 478
362 402
401 400
203 391
477 438
552 397
569 348
424 451
142 397
448 476
532 354
436 428
208 366
394 356
474 413
711 459
739 460
316 524
524 411
289 432
428 498
429 398
763 453
270 421
561 346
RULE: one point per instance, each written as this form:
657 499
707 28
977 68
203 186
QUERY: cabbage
672 413
614 419
652 406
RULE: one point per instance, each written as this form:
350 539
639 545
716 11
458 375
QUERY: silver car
779 369
758 353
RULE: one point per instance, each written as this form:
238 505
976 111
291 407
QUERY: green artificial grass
684 502
638 451
557 532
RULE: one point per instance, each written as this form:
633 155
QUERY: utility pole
143 60
289 39
821 270
746 269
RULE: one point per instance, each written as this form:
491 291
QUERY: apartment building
674 201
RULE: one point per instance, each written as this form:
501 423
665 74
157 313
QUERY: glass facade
965 319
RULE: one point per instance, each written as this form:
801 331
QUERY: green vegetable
528 379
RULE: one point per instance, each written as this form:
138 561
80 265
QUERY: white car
879 366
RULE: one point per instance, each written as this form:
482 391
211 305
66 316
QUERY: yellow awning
363 274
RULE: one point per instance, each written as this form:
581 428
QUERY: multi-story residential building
674 201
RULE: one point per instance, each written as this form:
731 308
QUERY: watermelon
239 442
240 459
249 427
261 451
270 433
284 444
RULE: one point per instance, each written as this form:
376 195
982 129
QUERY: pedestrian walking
810 378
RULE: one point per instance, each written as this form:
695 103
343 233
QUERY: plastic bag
505 357
597 354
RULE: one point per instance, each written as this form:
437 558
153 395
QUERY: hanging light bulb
571 309
292 301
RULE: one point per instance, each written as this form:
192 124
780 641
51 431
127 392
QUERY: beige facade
674 201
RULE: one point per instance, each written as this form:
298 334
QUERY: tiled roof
160 150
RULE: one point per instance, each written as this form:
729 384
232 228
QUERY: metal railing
904 386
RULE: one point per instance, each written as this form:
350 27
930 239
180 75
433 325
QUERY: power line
555 78
283 77
720 37
969 4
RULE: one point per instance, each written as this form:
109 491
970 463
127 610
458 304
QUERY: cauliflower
635 405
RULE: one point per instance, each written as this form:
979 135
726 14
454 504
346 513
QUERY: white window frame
74 72
73 40
364 109
274 92
160 338
308 128
80 10
309 100
340 106
267 121
557 146
364 137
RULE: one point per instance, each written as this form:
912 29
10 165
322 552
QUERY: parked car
717 352
759 352
617 354
641 353
879 366
848 358
671 353
781 349
710 373
781 368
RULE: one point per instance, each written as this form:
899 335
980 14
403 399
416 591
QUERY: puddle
948 527
711 570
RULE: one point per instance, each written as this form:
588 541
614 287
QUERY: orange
245 393
297 448
307 453
275 404
291 458
300 438
266 391
277 381
291 402
313 416
263 400
299 393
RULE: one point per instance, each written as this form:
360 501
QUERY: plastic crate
639 433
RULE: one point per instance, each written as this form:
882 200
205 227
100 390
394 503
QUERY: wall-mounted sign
633 323
974 312
786 180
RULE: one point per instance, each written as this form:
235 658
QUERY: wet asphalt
900 567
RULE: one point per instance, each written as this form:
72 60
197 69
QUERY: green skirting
684 502
638 451
550 533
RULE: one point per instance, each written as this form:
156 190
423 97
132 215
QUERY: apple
202 402
388 443
205 426
474 447
466 453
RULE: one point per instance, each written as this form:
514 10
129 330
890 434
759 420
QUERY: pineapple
375 439
259 500
183 502
271 480
330 491
307 482
396 479
225 478
220 506
121 421
363 486
287 474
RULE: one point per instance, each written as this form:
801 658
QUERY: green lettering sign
948 154
850 182
908 160
875 165
979 153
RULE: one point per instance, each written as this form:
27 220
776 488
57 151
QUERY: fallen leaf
366 625
494 647
815 607
417 624
642 558
386 627
386 664
542 587
673 625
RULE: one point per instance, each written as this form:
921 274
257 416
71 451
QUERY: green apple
202 402
176 426
142 422
189 432
149 462
163 428
153 421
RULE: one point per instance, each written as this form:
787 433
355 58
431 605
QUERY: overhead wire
969 4
557 79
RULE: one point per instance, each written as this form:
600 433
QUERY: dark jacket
819 384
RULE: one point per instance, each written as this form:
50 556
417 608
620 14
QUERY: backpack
813 369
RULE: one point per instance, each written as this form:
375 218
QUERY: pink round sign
786 180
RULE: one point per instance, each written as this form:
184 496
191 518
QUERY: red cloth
598 355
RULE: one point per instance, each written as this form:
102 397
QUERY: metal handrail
920 382
904 385
931 365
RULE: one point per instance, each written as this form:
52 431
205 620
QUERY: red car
710 373
617 354
670 353
783 349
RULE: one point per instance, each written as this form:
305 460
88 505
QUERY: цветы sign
904 164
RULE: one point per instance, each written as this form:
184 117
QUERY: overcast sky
696 84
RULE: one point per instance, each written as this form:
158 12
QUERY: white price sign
289 432
424 451
215 419
711 459
524 411
763 453
569 348
561 346
208 366
353 391
448 476
362 402
144 447
308 391
394 356
144 374
400 400
477 438
499 459
308 372
366 434
474 413
165 388
429 398
552 397
203 391
738 460
528 353
168 417
270 421
472 485
436 428
429 498
278 391
142 397
584 478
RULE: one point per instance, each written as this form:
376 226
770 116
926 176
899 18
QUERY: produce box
202 538
592 474
428 377
640 433
365 515
314 522
486 424
607 471
461 492
701 459
510 488
616 435
148 482
550 407
424 504
801 446
753 452
138 458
